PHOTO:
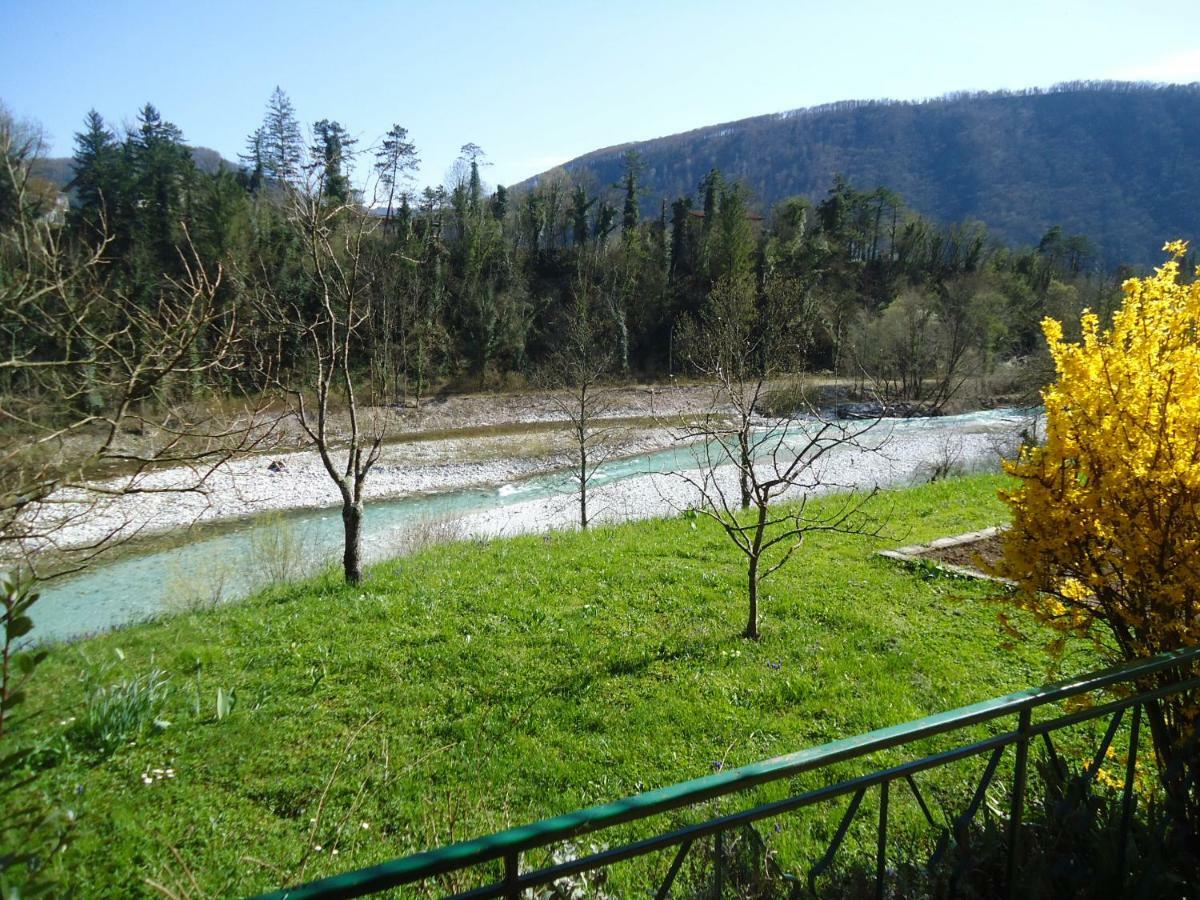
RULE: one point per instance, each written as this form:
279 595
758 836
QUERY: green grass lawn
482 685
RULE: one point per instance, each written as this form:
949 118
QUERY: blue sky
535 84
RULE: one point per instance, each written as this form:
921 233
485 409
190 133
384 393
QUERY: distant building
56 213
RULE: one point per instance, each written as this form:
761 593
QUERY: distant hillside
1115 161
60 171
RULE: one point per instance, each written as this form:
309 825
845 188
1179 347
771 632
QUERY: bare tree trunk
583 479
741 346
352 517
746 465
753 557
752 587
337 336
622 340
582 361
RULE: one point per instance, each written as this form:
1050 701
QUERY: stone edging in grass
915 553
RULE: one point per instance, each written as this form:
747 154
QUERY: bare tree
928 343
582 363
332 325
746 467
96 388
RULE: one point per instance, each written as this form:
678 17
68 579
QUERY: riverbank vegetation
321 726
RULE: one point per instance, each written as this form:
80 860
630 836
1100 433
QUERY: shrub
790 397
191 588
1106 518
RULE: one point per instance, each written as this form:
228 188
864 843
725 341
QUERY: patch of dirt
982 554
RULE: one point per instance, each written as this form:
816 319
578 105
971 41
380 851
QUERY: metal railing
1141 682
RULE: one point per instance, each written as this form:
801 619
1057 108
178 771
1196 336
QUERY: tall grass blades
117 714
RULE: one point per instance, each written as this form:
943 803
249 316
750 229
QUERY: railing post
512 871
1018 800
881 841
719 857
1127 791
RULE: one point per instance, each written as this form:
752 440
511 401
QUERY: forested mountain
1118 162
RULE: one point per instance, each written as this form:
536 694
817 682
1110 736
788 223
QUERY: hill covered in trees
1118 162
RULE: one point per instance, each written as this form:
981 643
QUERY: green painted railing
1142 682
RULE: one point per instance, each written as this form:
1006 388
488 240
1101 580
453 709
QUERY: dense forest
1118 162
462 285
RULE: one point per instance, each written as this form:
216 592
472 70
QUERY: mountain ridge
1110 160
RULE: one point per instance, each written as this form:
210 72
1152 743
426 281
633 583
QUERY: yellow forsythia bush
1105 537
1106 519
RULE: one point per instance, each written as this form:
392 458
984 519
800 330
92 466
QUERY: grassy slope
482 685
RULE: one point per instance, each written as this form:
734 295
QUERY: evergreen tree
710 189
254 160
332 152
97 162
161 174
282 145
532 222
632 161
395 161
681 261
606 221
729 247
500 203
471 154
662 256
580 204
404 218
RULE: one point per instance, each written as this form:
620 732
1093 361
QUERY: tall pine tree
395 161
332 152
97 164
282 145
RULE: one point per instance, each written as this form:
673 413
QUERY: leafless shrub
946 461
789 397
278 552
584 360
195 587
426 532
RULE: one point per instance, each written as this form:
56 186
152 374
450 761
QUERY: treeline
470 286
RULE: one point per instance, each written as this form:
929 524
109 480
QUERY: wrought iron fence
1137 684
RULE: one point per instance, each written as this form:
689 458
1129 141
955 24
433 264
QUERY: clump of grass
113 715
277 552
193 587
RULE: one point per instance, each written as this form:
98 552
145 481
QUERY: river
220 562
